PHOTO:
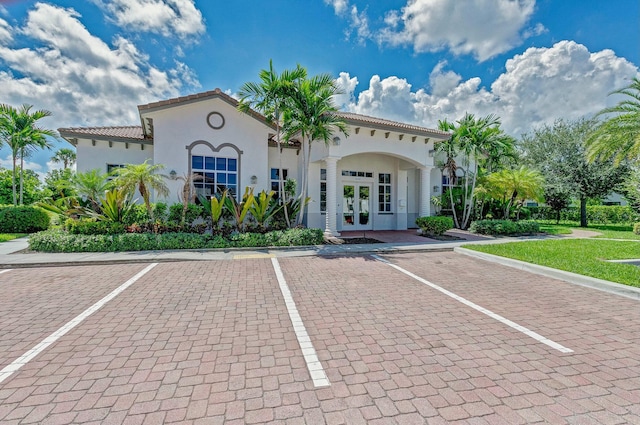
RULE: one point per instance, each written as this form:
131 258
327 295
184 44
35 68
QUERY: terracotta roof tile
133 132
350 116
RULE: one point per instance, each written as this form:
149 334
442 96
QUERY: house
380 177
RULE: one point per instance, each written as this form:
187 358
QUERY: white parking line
5 270
483 310
29 355
310 357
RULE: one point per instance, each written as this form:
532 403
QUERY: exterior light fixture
173 175
436 189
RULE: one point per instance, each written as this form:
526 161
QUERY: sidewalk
11 257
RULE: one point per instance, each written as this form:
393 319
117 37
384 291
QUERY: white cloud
339 6
5 31
538 86
166 17
79 77
483 28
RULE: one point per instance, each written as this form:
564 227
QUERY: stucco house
381 177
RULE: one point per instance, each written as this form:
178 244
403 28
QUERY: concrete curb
574 278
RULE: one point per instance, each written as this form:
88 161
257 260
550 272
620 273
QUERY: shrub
596 214
23 219
434 226
90 227
60 241
636 228
504 227
193 213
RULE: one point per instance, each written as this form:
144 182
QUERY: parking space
213 342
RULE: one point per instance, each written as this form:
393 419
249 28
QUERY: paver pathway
212 342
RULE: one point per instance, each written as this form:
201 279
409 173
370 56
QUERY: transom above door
356 206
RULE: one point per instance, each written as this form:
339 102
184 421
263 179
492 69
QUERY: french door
356 206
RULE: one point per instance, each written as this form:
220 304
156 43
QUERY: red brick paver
211 342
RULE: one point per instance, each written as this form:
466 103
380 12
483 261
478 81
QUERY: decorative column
425 191
331 226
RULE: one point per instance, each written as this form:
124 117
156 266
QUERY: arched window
214 169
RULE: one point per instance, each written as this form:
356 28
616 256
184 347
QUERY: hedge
59 241
23 219
596 214
504 227
434 226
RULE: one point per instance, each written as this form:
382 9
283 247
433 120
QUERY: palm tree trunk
13 182
305 180
21 173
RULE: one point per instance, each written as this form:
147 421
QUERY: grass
583 256
609 231
9 236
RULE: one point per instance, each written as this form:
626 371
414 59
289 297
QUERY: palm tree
18 130
514 187
312 114
144 178
618 137
472 140
270 96
92 185
65 156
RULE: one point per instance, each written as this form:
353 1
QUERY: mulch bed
349 241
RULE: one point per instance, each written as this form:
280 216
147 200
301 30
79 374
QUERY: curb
573 278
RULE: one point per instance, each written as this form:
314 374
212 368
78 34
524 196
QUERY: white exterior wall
90 157
178 127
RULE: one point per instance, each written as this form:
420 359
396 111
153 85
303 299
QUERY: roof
352 118
132 133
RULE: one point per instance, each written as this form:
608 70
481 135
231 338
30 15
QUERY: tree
618 137
31 185
473 141
513 187
312 114
144 177
559 152
65 156
92 185
270 97
558 197
59 184
18 130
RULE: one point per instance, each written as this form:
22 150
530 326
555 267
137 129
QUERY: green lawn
609 231
582 256
8 236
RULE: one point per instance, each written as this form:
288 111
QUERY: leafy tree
59 184
473 140
312 114
271 96
630 189
65 156
31 187
143 177
558 197
559 152
618 137
19 131
513 187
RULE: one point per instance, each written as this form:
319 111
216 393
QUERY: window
111 168
323 190
276 180
349 173
384 192
214 174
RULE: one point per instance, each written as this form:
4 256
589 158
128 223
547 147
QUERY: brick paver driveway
213 342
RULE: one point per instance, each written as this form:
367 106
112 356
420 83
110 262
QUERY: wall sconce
336 141
436 189
431 153
254 179
173 175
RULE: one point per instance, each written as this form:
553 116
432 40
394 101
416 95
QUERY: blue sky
528 61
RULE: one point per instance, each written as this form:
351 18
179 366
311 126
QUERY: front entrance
356 206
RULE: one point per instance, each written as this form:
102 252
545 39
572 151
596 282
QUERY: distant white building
381 177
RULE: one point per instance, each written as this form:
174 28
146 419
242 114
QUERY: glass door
356 206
